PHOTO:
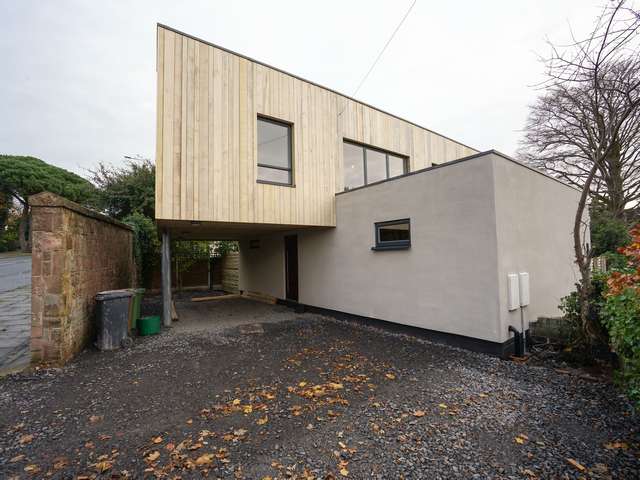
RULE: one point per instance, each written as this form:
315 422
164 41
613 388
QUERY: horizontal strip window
364 165
393 235
275 165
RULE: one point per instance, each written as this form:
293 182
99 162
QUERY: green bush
607 232
146 246
9 236
621 315
570 306
225 246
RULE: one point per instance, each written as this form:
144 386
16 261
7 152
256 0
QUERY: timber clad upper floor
210 104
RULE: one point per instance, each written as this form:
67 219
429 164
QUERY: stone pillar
166 278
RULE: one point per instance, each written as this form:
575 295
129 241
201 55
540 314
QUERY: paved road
15 311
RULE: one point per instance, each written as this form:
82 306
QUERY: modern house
343 207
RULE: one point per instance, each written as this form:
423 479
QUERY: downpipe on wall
517 340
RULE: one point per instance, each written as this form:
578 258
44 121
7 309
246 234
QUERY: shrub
9 234
570 307
146 246
607 232
621 314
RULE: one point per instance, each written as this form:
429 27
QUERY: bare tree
557 138
585 127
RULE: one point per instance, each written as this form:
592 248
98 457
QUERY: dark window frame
289 126
391 244
365 147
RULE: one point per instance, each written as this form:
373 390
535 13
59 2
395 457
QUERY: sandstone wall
76 253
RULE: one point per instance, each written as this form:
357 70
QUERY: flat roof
308 81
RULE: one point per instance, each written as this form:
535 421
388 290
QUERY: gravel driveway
310 398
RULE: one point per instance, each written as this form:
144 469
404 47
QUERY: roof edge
193 37
462 160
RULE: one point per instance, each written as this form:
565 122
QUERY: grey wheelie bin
112 315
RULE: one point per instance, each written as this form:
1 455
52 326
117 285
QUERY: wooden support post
166 279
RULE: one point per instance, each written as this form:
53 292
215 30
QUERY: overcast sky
77 78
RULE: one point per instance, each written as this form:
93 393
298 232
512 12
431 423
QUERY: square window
397 166
274 152
393 235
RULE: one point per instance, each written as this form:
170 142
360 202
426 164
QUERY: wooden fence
230 272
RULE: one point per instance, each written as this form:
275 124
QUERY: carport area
307 397
226 312
15 311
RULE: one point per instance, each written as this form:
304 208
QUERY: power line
364 79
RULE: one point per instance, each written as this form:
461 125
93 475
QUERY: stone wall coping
48 199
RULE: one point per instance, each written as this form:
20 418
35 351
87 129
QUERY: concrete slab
221 314
15 312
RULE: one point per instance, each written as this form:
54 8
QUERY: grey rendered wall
262 269
534 218
447 281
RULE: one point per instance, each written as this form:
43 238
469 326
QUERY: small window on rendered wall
393 235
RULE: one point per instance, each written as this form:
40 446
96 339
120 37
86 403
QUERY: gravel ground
310 398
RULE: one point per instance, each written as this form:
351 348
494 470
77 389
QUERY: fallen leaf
247 409
390 376
262 421
169 447
519 440
24 439
60 462
153 456
103 466
241 432
418 413
529 473
205 459
157 439
342 445
344 472
483 395
32 468
236 401
336 386
104 437
17 458
616 446
95 418
576 465
302 384
442 405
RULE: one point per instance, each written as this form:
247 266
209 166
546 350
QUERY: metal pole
524 335
166 279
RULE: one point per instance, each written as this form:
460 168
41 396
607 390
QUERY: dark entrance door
291 266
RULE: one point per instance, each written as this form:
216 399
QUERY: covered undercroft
435 250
